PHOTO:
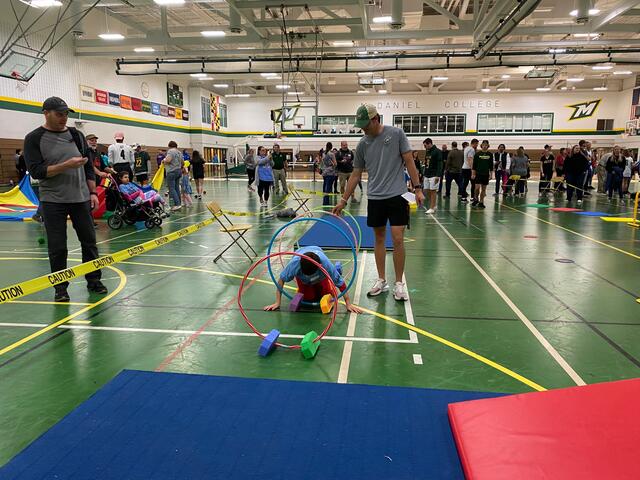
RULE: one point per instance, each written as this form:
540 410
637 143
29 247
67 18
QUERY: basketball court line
536 333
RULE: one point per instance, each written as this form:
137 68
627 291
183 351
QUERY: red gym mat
565 209
590 432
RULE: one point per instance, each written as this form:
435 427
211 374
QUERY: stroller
131 210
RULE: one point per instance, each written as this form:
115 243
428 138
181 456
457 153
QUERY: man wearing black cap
56 155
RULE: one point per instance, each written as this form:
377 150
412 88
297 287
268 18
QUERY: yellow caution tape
19 290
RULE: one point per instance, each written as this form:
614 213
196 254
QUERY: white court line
417 359
536 333
408 311
205 333
343 373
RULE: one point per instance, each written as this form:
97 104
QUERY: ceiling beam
320 22
443 11
248 17
364 18
619 9
261 4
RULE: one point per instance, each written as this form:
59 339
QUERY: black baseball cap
56 104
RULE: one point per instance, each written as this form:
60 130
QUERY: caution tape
19 290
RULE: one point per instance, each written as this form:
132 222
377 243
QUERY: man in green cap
384 152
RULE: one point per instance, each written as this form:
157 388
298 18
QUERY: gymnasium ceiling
431 45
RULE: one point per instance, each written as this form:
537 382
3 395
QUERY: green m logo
584 109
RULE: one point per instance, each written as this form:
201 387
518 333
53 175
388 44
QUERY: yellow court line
444 341
633 255
42 331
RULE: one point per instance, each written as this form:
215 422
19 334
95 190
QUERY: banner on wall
146 106
178 114
136 104
175 96
215 112
102 96
155 108
114 99
87 94
171 111
185 115
164 110
125 102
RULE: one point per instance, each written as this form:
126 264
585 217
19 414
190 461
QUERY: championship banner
215 112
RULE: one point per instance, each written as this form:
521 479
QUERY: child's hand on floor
272 307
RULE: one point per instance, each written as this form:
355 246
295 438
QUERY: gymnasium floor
494 308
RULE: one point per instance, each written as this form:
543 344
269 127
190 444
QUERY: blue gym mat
593 214
146 425
324 236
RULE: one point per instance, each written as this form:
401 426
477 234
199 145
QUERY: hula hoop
268 258
309 219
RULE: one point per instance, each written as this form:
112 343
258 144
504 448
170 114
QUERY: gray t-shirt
328 169
69 186
176 160
381 156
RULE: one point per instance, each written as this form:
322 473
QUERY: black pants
263 189
123 167
55 224
251 173
453 177
466 178
574 181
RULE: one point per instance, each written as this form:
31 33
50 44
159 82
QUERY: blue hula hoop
312 219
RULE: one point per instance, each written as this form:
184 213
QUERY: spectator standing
501 165
197 168
546 170
173 163
469 153
329 164
434 166
121 157
250 165
481 173
453 169
559 167
265 175
575 168
21 165
344 167
445 154
279 169
520 166
141 164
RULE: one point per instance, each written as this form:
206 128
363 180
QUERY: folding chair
235 231
302 201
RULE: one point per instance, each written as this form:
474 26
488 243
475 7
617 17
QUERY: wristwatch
416 187
93 193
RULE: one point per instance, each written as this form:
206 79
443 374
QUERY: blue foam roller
269 343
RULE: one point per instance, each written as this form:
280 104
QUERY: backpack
78 138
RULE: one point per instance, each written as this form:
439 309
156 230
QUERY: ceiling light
563 88
198 75
585 35
600 89
557 50
362 74
283 87
384 19
343 43
111 36
238 95
602 67
543 10
543 89
575 79
362 53
296 93
503 89
45 3
164 3
213 33
440 79
505 76
246 48
383 91
485 90
363 91
404 80
171 60
592 11
623 72
268 74
221 85
144 49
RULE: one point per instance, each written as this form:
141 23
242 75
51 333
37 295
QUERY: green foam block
308 347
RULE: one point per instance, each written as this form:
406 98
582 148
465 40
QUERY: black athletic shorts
142 177
394 210
482 179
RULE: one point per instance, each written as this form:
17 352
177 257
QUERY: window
515 123
427 124
604 124
336 124
205 108
223 115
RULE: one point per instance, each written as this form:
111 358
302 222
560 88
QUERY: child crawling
312 283
134 193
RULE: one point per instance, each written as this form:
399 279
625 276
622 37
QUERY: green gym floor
494 309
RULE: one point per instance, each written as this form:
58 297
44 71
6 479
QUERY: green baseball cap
364 115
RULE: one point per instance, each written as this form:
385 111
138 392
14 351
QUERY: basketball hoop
22 83
298 126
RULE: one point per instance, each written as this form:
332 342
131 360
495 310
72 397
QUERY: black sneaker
481 205
474 203
61 295
97 287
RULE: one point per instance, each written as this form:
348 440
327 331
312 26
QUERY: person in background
546 170
453 169
575 169
56 156
173 163
141 165
468 154
501 165
601 172
519 166
279 169
264 164
344 167
434 166
100 169
185 184
197 169
445 154
628 170
418 163
185 155
121 157
615 168
160 156
559 168
585 183
481 173
329 164
250 165
21 165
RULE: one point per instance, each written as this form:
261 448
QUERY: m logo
289 113
584 109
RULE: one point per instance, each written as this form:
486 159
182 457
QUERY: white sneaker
378 287
579 202
430 211
400 292
176 207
